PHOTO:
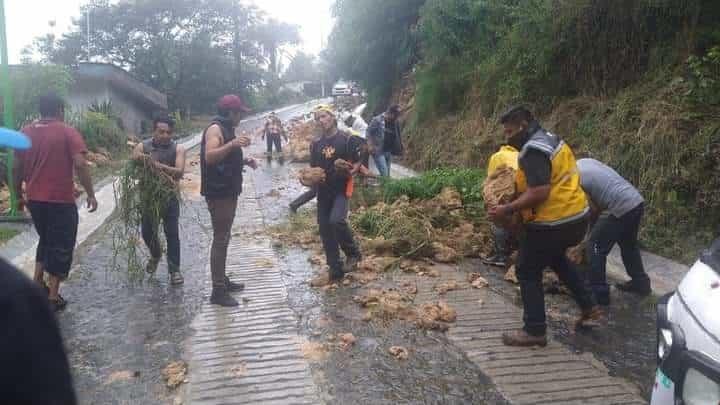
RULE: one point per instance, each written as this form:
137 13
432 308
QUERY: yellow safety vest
506 156
567 201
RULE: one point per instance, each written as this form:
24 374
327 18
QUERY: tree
373 42
302 67
193 50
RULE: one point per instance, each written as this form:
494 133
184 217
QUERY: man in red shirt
47 169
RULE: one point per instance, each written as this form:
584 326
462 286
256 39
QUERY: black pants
304 198
541 248
273 140
170 221
335 232
605 234
56 225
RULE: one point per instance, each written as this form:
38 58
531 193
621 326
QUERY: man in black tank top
169 157
221 169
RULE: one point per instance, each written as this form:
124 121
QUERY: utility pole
87 17
8 104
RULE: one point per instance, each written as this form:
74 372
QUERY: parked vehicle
341 89
688 336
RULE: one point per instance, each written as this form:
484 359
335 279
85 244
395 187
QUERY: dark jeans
304 198
604 235
222 215
273 140
541 248
56 225
170 222
502 240
335 232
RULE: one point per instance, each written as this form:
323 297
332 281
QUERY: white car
688 335
341 89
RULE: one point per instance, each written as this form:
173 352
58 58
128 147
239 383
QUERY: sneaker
221 297
640 288
495 260
521 338
152 265
592 317
176 278
351 263
232 286
335 275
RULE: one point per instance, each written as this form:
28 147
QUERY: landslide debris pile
301 136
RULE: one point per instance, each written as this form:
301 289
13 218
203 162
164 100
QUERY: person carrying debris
165 155
357 127
384 139
311 193
221 172
616 212
57 152
273 133
507 156
554 211
334 154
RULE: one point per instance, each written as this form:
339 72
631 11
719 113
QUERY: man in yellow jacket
507 156
555 211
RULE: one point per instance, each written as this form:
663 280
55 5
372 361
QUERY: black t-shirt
33 365
324 152
537 168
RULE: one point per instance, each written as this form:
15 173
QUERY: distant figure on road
554 211
384 139
506 156
333 194
221 170
274 133
617 210
47 169
169 157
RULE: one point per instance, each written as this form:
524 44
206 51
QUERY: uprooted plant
142 192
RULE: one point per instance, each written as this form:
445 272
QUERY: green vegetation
100 131
29 82
468 182
7 233
140 192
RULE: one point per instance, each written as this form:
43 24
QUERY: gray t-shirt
608 190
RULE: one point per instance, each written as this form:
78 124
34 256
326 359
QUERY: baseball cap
325 108
233 103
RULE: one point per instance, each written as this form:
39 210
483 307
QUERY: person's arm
83 171
138 153
215 150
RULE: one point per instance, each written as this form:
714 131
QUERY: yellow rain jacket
567 201
506 156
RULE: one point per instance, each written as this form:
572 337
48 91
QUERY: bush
29 82
99 130
705 77
468 182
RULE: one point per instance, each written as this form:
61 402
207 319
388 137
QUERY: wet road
120 335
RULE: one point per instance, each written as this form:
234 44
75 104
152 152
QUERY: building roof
122 81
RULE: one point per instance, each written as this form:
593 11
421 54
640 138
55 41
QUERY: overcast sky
28 19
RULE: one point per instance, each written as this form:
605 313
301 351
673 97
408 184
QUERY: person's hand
241 142
92 204
252 163
499 212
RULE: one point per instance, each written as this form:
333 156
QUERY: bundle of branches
142 191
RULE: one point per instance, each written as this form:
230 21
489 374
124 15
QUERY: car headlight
665 342
699 389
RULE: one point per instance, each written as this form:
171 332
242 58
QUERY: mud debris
124 375
174 374
436 316
399 352
347 340
444 254
477 281
443 288
314 351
